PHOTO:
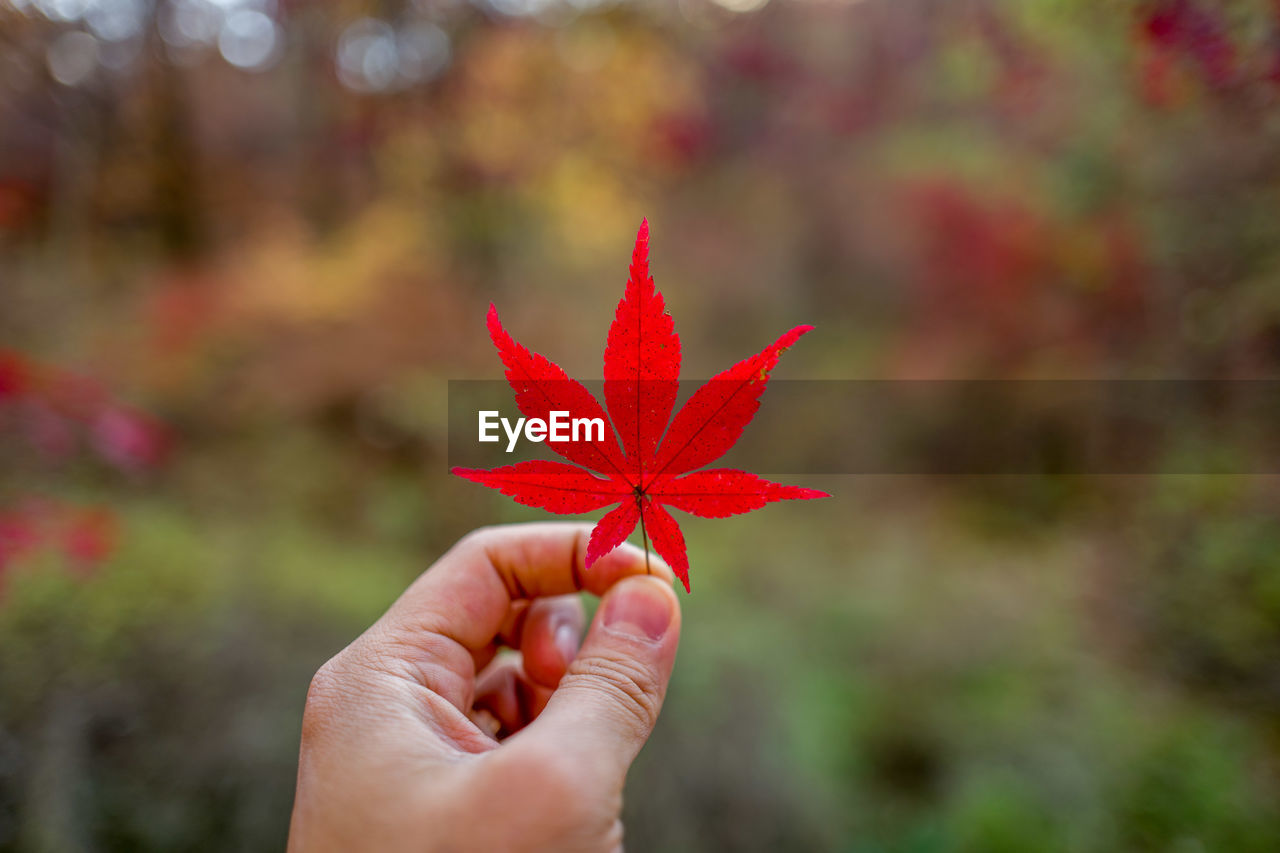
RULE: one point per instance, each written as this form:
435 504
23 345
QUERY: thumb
608 701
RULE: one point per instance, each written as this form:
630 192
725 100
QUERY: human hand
405 747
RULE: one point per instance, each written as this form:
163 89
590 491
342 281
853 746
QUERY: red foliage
47 430
981 258
53 407
761 62
128 439
88 537
13 375
998 280
85 536
681 139
179 312
1182 26
651 466
1158 80
19 535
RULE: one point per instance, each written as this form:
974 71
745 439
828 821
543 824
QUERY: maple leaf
653 467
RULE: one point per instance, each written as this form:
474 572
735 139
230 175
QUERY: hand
405 747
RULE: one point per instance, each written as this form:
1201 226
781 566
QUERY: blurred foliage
244 244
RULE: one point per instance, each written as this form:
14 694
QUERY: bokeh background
245 243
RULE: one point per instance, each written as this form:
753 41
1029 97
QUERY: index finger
466 595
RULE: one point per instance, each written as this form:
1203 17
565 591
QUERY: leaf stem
644 536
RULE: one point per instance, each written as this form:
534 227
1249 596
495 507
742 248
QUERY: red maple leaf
651 469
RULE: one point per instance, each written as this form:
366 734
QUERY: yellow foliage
289 274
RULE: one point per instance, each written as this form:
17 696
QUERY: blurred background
245 243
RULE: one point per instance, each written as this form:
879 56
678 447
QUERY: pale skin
419 736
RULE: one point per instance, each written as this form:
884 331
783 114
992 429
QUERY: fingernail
638 608
566 640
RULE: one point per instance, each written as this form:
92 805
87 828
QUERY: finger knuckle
322 696
478 537
632 687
